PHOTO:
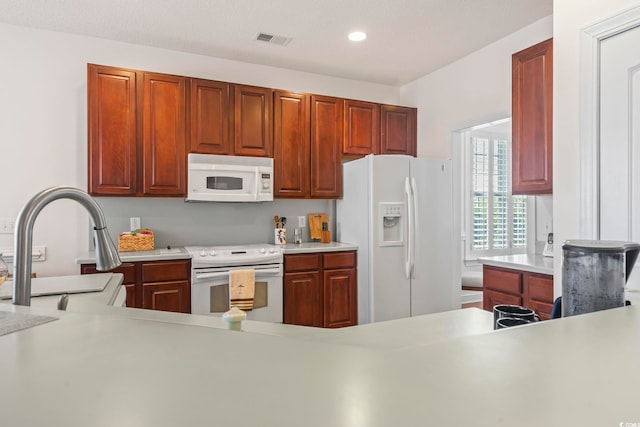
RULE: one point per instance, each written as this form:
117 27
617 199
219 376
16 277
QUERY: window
496 221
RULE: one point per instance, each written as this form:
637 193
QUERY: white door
432 286
620 139
390 289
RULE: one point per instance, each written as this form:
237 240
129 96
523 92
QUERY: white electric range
210 267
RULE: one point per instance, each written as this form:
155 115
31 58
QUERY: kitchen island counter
534 263
103 370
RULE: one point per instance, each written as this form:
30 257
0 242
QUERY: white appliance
213 178
210 267
399 211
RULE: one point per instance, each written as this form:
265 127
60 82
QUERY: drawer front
542 309
491 298
336 260
127 269
163 271
302 262
502 280
540 287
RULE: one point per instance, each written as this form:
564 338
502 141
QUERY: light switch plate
302 221
7 225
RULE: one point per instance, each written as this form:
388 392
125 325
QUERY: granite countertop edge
534 263
181 253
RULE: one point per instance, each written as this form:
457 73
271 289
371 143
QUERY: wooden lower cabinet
303 299
154 285
517 287
340 308
128 271
320 289
167 296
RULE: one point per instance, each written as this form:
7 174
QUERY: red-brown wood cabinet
532 125
320 289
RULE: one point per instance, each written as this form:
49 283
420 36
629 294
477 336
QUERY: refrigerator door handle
415 223
409 251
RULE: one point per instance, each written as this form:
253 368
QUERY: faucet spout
107 256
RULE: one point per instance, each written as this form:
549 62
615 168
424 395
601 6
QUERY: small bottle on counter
325 237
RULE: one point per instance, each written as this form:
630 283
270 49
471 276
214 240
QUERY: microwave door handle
256 187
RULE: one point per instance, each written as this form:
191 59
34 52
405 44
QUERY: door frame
590 39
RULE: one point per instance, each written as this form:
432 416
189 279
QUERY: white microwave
214 178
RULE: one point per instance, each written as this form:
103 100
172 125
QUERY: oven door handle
226 273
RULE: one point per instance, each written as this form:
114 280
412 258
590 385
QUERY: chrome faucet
107 256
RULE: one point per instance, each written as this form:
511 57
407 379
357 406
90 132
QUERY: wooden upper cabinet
252 121
326 147
291 145
112 131
361 128
532 109
398 130
210 115
164 139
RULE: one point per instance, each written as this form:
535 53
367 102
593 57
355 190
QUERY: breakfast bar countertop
534 263
76 369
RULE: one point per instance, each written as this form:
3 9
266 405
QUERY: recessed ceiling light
357 36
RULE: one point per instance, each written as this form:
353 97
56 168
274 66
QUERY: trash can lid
599 245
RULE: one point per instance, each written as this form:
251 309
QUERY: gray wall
178 223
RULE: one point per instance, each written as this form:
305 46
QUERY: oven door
210 292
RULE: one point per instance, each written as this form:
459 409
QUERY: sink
170 251
13 322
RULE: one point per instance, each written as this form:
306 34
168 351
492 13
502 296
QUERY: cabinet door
164 135
398 130
167 296
128 271
361 128
326 147
291 145
252 121
111 96
538 293
210 117
303 295
491 298
532 98
340 298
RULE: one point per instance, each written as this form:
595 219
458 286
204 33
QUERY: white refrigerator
399 211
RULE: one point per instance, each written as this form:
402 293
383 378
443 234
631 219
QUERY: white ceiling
407 38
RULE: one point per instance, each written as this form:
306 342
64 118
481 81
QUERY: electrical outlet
302 221
7 225
134 223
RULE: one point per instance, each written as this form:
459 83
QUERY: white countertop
309 247
534 263
105 370
181 253
133 256
86 292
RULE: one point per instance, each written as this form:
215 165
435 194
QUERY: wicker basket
135 242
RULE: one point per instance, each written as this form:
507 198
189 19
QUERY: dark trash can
594 274
512 312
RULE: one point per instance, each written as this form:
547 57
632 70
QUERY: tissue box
136 241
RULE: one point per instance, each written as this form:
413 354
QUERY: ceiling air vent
270 38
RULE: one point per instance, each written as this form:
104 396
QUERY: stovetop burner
252 254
